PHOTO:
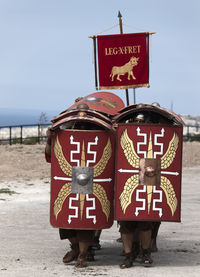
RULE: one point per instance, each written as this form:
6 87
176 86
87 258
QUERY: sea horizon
16 117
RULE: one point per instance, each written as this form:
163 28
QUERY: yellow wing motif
126 195
170 154
64 165
129 151
107 153
169 193
62 195
100 193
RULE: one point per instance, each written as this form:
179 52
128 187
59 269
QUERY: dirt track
27 161
31 247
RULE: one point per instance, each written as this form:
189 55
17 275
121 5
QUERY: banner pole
121 32
134 96
95 61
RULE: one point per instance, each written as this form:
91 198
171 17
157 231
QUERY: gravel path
31 247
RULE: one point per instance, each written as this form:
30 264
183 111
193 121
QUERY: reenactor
80 147
148 176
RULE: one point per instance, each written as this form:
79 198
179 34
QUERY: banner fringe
125 87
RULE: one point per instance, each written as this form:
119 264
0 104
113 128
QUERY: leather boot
71 255
81 261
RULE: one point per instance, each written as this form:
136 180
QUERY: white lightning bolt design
159 144
73 208
92 152
157 201
138 199
88 209
77 151
141 143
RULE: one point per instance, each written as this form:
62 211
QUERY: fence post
38 133
21 134
10 139
188 133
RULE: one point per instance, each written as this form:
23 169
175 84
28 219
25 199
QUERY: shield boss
82 179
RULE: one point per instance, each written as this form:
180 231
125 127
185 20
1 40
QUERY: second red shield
148 172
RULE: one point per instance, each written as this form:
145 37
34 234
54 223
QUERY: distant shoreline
14 117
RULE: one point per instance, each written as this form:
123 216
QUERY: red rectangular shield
123 61
76 154
148 172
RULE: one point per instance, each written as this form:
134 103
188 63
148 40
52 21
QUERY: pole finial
119 14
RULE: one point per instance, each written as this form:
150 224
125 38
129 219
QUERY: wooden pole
95 61
121 32
134 96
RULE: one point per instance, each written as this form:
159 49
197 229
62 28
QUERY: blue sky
46 57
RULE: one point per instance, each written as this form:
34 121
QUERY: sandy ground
29 246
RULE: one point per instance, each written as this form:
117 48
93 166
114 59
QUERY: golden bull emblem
150 171
126 68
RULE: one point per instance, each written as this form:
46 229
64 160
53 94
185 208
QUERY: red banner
123 61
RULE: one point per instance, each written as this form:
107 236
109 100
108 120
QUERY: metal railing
191 132
36 133
23 134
